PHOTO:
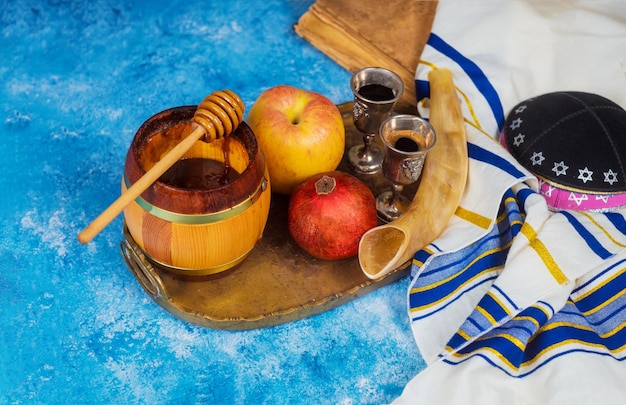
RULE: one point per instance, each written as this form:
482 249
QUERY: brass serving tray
277 283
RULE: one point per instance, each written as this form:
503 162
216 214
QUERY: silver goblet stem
396 192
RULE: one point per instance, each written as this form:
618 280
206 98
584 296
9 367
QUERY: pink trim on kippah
562 199
569 200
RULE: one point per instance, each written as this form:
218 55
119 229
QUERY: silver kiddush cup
407 140
376 91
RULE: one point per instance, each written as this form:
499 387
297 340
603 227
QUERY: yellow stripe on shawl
481 220
470 108
510 200
473 217
464 335
429 64
543 253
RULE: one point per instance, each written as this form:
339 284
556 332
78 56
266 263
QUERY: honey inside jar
199 174
205 166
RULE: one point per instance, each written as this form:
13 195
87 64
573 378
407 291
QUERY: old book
362 33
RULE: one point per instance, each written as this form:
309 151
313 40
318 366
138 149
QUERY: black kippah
574 140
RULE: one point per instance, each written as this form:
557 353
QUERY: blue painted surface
78 79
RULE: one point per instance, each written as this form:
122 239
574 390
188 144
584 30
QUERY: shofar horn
387 247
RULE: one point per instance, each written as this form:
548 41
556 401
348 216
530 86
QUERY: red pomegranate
329 213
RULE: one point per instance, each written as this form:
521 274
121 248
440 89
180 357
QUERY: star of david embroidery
520 109
585 175
603 197
610 177
537 158
578 199
519 139
560 168
549 191
516 123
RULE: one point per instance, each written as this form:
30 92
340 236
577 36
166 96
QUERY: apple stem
325 185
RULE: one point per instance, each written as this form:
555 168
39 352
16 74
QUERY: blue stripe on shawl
600 294
493 247
421 256
461 285
422 89
458 340
526 327
618 221
449 301
497 364
602 300
460 280
477 153
593 280
505 347
555 336
474 72
523 195
476 323
603 320
503 295
537 349
587 236
545 304
493 307
449 265
582 346
535 313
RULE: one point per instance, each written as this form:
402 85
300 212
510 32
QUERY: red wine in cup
406 144
376 92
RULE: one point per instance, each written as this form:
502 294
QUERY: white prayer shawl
515 303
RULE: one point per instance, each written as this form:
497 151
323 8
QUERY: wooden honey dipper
218 115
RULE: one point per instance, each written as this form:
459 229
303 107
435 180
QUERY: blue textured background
78 78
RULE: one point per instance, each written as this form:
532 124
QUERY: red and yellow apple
300 132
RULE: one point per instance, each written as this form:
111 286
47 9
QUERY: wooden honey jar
207 212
